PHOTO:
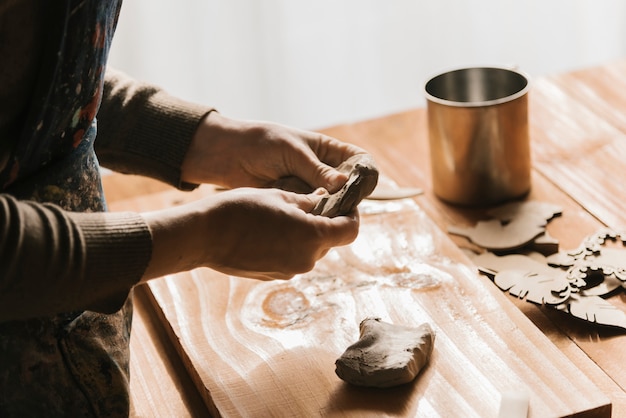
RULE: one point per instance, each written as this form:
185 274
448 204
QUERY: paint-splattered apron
73 364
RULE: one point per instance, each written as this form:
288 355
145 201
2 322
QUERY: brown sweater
55 261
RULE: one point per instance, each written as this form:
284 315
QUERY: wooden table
204 343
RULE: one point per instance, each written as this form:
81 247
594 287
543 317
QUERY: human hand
256 233
236 153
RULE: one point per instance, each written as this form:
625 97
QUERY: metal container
478 135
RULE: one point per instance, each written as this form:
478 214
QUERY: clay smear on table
577 282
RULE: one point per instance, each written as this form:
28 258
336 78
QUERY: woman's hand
236 153
255 233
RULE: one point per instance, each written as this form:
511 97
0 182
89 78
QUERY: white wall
317 63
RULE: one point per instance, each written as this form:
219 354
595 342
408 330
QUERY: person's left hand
235 153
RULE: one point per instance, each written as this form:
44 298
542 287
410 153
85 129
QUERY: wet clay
363 177
386 355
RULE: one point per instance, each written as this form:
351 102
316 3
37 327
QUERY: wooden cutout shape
538 210
596 310
600 275
542 289
598 284
386 193
590 272
516 225
544 244
590 247
491 263
386 355
526 277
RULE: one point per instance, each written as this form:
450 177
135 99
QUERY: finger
309 168
331 150
316 166
340 230
307 202
331 178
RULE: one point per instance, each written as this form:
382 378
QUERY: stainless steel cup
478 135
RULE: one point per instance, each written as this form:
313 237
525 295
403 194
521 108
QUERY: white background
317 63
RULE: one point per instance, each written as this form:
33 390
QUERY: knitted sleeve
56 261
144 130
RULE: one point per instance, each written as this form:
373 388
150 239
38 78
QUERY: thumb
334 179
318 174
308 202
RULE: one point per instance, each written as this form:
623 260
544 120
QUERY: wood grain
268 348
157 386
255 348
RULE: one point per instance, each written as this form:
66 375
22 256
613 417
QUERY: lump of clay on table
362 179
386 355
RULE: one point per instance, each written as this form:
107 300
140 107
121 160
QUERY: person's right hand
256 233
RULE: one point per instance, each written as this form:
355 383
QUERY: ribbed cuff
119 247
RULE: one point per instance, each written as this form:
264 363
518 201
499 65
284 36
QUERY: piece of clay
515 226
386 355
363 177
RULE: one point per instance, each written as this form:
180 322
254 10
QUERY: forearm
55 261
144 130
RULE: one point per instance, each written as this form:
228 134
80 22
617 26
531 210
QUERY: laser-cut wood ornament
513 226
576 282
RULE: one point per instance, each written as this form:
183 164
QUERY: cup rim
505 99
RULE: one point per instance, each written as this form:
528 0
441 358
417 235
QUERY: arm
236 153
260 234
57 261
143 130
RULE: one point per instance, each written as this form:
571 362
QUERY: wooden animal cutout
514 226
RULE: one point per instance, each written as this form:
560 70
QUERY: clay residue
412 280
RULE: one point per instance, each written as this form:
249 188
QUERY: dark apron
76 363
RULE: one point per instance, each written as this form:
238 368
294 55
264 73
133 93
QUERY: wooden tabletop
207 344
